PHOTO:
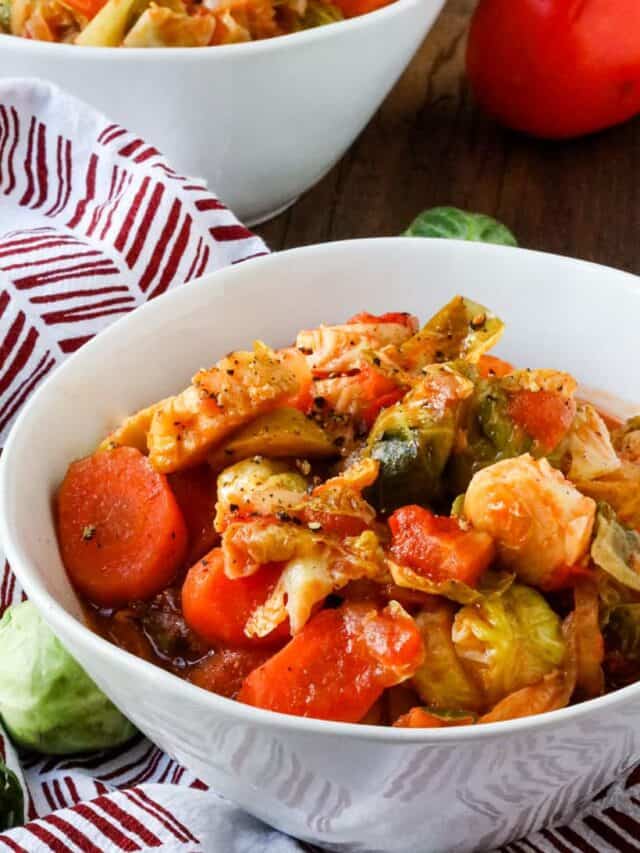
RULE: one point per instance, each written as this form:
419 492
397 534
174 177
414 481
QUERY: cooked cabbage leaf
616 548
540 522
509 641
620 489
589 448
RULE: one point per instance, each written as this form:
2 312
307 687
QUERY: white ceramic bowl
348 787
262 121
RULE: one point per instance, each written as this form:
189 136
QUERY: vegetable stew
171 23
380 523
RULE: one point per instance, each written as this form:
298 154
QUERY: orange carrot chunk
217 608
122 535
339 664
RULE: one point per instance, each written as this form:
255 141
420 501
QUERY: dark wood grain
430 145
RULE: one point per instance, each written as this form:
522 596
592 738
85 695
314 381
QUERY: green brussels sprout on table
455 224
47 701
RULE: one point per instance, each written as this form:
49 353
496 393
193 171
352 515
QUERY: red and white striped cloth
93 222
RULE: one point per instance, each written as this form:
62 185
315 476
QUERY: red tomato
218 608
544 415
556 68
437 547
338 665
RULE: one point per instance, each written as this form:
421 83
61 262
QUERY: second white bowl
262 121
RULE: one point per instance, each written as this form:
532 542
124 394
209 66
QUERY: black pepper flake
376 361
319 402
338 441
230 372
88 532
233 507
283 516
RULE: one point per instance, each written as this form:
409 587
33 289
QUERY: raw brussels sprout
616 548
510 641
442 681
463 329
413 439
47 701
453 223
11 799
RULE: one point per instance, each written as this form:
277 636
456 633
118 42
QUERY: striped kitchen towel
93 222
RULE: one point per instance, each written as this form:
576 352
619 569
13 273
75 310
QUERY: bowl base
265 217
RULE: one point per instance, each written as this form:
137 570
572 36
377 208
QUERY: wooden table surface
429 145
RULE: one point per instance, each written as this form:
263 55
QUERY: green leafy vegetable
509 641
462 329
453 223
624 630
11 799
319 13
490 434
5 16
616 548
413 439
47 701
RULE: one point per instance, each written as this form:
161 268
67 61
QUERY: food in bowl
379 524
170 23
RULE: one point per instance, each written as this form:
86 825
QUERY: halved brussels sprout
616 548
280 433
413 440
462 329
510 641
442 681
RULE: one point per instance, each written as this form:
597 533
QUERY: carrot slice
218 608
195 491
122 535
438 547
339 664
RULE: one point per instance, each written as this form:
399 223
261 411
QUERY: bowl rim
152 54
56 615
